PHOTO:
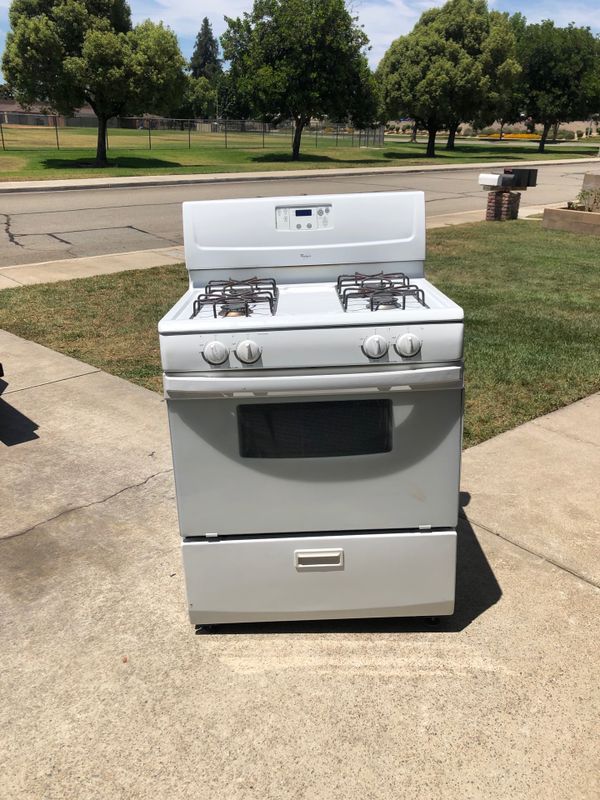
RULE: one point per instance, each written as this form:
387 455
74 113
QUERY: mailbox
522 178
511 178
495 181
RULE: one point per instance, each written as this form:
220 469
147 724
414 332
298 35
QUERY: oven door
350 451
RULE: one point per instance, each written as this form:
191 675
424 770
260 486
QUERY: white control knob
215 352
248 351
375 346
408 345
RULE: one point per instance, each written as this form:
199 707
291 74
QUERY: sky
383 20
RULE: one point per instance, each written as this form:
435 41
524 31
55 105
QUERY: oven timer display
304 219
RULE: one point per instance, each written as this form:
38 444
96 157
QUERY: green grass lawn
34 156
531 300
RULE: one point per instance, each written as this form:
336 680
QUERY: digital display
304 212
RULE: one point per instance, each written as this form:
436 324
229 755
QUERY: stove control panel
304 218
363 347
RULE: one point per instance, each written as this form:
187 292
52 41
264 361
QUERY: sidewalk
229 177
106 692
68 268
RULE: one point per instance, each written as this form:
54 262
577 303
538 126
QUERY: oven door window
315 430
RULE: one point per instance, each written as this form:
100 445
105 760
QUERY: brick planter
502 206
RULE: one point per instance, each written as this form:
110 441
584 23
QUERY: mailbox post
502 202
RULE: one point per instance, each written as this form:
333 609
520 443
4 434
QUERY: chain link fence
24 131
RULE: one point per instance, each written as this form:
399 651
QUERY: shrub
589 199
579 134
568 134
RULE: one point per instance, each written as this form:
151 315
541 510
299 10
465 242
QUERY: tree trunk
555 128
544 137
451 136
101 145
431 141
300 122
413 135
501 130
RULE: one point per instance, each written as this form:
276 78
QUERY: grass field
530 296
32 154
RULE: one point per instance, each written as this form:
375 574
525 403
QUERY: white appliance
314 385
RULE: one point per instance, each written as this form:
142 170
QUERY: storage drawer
320 577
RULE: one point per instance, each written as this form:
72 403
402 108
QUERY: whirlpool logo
305 255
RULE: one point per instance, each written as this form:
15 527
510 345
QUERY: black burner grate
381 290
236 298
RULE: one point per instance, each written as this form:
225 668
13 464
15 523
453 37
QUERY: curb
241 177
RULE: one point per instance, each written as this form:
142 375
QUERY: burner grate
383 290
236 298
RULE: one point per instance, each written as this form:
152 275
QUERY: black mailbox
522 178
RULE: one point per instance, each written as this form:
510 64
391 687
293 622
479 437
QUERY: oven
279 452
314 385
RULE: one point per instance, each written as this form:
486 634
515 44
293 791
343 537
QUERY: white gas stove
313 379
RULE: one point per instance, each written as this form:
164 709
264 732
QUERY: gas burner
237 298
383 290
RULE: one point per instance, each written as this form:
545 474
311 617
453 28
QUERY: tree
421 75
466 24
504 101
561 74
301 59
488 41
70 52
199 99
230 103
205 61
453 67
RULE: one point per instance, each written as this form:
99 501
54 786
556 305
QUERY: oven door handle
206 386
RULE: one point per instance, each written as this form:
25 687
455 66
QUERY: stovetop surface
310 305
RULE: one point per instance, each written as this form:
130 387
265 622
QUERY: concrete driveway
107 693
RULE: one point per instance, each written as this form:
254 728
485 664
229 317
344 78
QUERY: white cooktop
311 305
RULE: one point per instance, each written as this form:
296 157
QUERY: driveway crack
11 236
155 235
540 423
57 237
85 505
532 552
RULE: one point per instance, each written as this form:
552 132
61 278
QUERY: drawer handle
310 560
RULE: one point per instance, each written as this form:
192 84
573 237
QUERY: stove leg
202 630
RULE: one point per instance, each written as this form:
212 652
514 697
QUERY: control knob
248 351
408 345
215 352
375 346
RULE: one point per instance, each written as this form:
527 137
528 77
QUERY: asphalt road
46 226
